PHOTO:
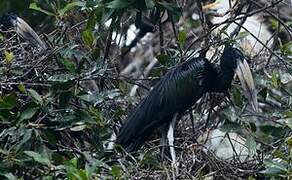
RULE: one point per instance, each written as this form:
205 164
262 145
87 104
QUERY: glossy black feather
176 92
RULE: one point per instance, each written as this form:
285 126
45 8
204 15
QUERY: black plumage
176 92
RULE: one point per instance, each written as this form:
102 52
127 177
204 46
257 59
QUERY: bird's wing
178 90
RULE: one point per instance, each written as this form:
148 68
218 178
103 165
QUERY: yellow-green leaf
182 36
8 56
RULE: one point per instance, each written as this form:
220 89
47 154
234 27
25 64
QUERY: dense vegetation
59 107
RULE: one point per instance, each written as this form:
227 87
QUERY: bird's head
10 20
232 58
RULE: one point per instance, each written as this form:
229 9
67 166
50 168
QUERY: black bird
179 89
10 20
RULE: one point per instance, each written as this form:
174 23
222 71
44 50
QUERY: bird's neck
222 81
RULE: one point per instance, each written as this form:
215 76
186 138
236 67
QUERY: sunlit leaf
8 56
34 6
119 4
21 88
116 171
36 97
61 78
87 37
28 113
70 6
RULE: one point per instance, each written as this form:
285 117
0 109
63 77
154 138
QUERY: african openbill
10 20
179 89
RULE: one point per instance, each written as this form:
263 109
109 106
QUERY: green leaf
272 130
70 6
38 157
274 167
98 98
69 65
21 88
99 12
61 78
251 145
279 154
242 35
118 4
287 48
237 97
230 126
8 101
288 114
88 37
149 160
116 171
28 113
35 96
34 6
8 56
275 79
289 141
163 58
24 139
288 122
182 36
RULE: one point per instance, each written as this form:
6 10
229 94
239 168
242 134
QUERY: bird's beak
244 74
28 33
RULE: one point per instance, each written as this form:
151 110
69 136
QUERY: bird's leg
192 119
170 137
209 111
